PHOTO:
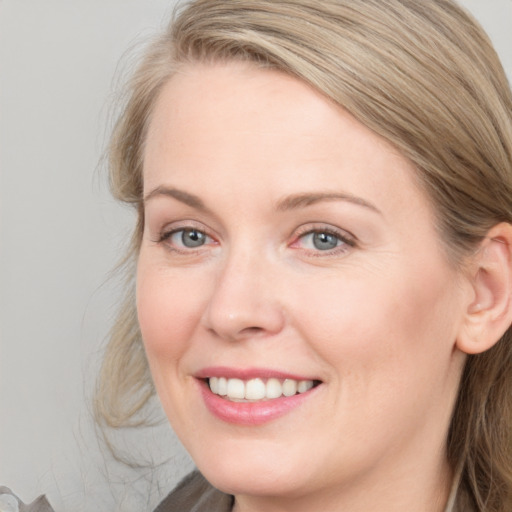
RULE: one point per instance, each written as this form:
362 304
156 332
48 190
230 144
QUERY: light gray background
61 234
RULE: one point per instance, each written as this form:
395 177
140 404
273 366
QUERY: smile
257 389
253 397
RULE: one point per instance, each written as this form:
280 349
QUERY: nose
244 302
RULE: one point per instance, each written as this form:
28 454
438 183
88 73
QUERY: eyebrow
184 197
291 202
307 199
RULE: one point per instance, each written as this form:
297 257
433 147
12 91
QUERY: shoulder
195 494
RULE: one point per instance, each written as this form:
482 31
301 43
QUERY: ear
489 313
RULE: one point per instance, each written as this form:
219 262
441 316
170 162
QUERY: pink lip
247 373
249 413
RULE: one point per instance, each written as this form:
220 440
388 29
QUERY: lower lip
251 413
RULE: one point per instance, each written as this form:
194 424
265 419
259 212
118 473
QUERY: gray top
11 503
195 494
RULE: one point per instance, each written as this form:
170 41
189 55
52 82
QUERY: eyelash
166 236
346 240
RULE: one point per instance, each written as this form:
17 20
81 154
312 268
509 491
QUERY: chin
255 482
252 471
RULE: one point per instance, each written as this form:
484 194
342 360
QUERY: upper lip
248 373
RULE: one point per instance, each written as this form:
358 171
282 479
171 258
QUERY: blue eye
324 241
185 238
192 237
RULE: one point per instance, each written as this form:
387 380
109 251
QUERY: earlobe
489 314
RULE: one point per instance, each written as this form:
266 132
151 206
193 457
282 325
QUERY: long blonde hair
424 76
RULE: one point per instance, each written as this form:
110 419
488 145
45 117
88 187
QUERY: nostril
244 333
241 315
251 331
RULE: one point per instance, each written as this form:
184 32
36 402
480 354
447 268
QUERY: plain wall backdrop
61 234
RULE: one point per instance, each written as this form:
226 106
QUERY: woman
323 254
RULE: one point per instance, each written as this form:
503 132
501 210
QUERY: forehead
239 98
231 122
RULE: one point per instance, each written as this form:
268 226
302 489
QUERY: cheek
168 311
388 342
383 323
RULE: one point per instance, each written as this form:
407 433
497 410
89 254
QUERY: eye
324 241
330 241
190 238
183 239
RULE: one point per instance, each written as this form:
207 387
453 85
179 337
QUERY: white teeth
304 385
274 388
223 386
257 389
214 385
236 388
289 387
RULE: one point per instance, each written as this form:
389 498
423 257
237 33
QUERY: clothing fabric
9 502
195 494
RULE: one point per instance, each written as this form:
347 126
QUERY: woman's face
288 256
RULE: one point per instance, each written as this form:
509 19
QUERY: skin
376 319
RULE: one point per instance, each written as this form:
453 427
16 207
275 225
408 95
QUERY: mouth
253 397
258 389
